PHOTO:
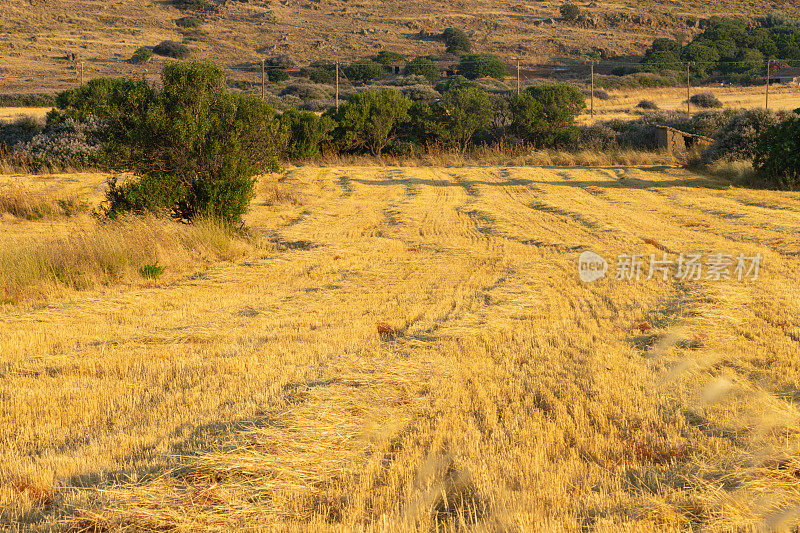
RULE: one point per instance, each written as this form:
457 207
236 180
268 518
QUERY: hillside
38 38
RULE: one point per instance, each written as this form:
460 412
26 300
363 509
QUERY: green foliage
456 41
777 155
305 133
203 6
570 12
365 70
194 147
188 22
460 114
27 100
172 49
545 116
371 119
705 100
422 66
322 76
151 270
277 75
729 47
473 66
387 57
142 55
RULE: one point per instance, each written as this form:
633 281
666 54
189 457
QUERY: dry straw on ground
417 352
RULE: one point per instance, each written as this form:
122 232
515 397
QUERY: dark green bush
28 100
371 119
203 6
473 66
196 148
545 116
570 12
142 55
387 57
460 114
172 49
456 41
322 76
422 66
305 133
705 101
647 104
189 22
364 70
277 75
777 155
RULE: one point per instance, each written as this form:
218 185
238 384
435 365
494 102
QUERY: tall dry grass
95 252
501 154
32 205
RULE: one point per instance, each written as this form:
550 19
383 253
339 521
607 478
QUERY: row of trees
196 147
734 48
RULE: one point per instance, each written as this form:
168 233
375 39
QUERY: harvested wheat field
406 349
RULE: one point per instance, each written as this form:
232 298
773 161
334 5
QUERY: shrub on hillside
276 75
370 120
647 105
705 101
473 66
142 55
172 49
323 76
283 61
570 12
387 57
364 70
422 66
777 155
545 116
189 22
203 6
456 41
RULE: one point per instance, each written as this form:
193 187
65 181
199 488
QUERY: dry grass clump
32 205
502 154
101 252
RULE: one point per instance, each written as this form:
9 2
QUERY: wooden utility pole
262 78
517 77
337 85
767 102
688 89
592 98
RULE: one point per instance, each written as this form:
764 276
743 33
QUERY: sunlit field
404 349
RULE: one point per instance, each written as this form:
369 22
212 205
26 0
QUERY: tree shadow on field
625 180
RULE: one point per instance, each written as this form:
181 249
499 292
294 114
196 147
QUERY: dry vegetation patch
428 360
